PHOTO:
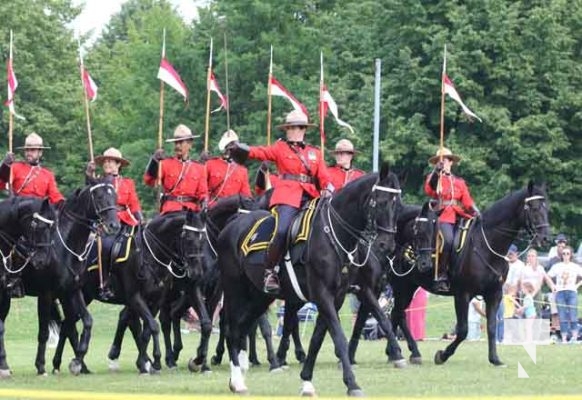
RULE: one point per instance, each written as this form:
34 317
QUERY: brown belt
298 178
179 199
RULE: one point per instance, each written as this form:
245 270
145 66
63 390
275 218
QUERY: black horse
25 228
480 268
357 216
165 252
87 212
414 250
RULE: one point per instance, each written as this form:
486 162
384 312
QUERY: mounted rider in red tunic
343 171
302 176
128 208
28 178
453 201
183 180
226 177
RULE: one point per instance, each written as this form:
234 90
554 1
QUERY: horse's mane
504 208
407 212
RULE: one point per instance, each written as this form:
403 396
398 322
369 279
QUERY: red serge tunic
35 181
340 176
288 159
184 184
454 198
127 200
226 179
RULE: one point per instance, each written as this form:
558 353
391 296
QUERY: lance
226 87
321 111
86 102
207 122
439 238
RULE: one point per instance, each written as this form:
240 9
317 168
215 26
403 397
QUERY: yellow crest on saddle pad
255 239
305 226
463 230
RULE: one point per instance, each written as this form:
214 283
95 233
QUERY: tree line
517 64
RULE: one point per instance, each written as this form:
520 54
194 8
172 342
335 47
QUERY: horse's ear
530 186
403 177
384 170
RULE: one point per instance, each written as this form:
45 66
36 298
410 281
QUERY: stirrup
271 282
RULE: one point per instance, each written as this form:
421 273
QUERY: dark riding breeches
285 216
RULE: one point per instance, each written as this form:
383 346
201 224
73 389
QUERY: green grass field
467 374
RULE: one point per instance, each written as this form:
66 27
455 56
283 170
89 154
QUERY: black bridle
176 260
29 243
366 236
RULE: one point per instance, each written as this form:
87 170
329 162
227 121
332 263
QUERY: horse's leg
359 324
492 300
4 309
43 310
252 343
299 350
395 353
179 307
67 331
219 351
402 298
290 328
328 316
115 349
196 299
166 325
461 309
151 327
267 333
87 320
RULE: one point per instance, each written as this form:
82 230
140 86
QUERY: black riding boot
442 283
271 280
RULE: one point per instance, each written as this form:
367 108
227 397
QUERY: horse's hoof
239 388
43 374
276 370
75 367
155 371
415 360
193 366
215 360
307 389
438 358
300 357
400 363
113 365
499 364
356 393
5 373
148 366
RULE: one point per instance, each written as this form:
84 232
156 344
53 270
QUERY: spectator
527 310
476 311
533 273
555 253
565 273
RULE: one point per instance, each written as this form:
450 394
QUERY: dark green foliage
516 64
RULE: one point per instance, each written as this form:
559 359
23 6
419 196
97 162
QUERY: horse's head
383 205
535 214
424 237
191 244
100 201
35 219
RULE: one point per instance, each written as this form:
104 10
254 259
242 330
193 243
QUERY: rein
168 252
367 236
